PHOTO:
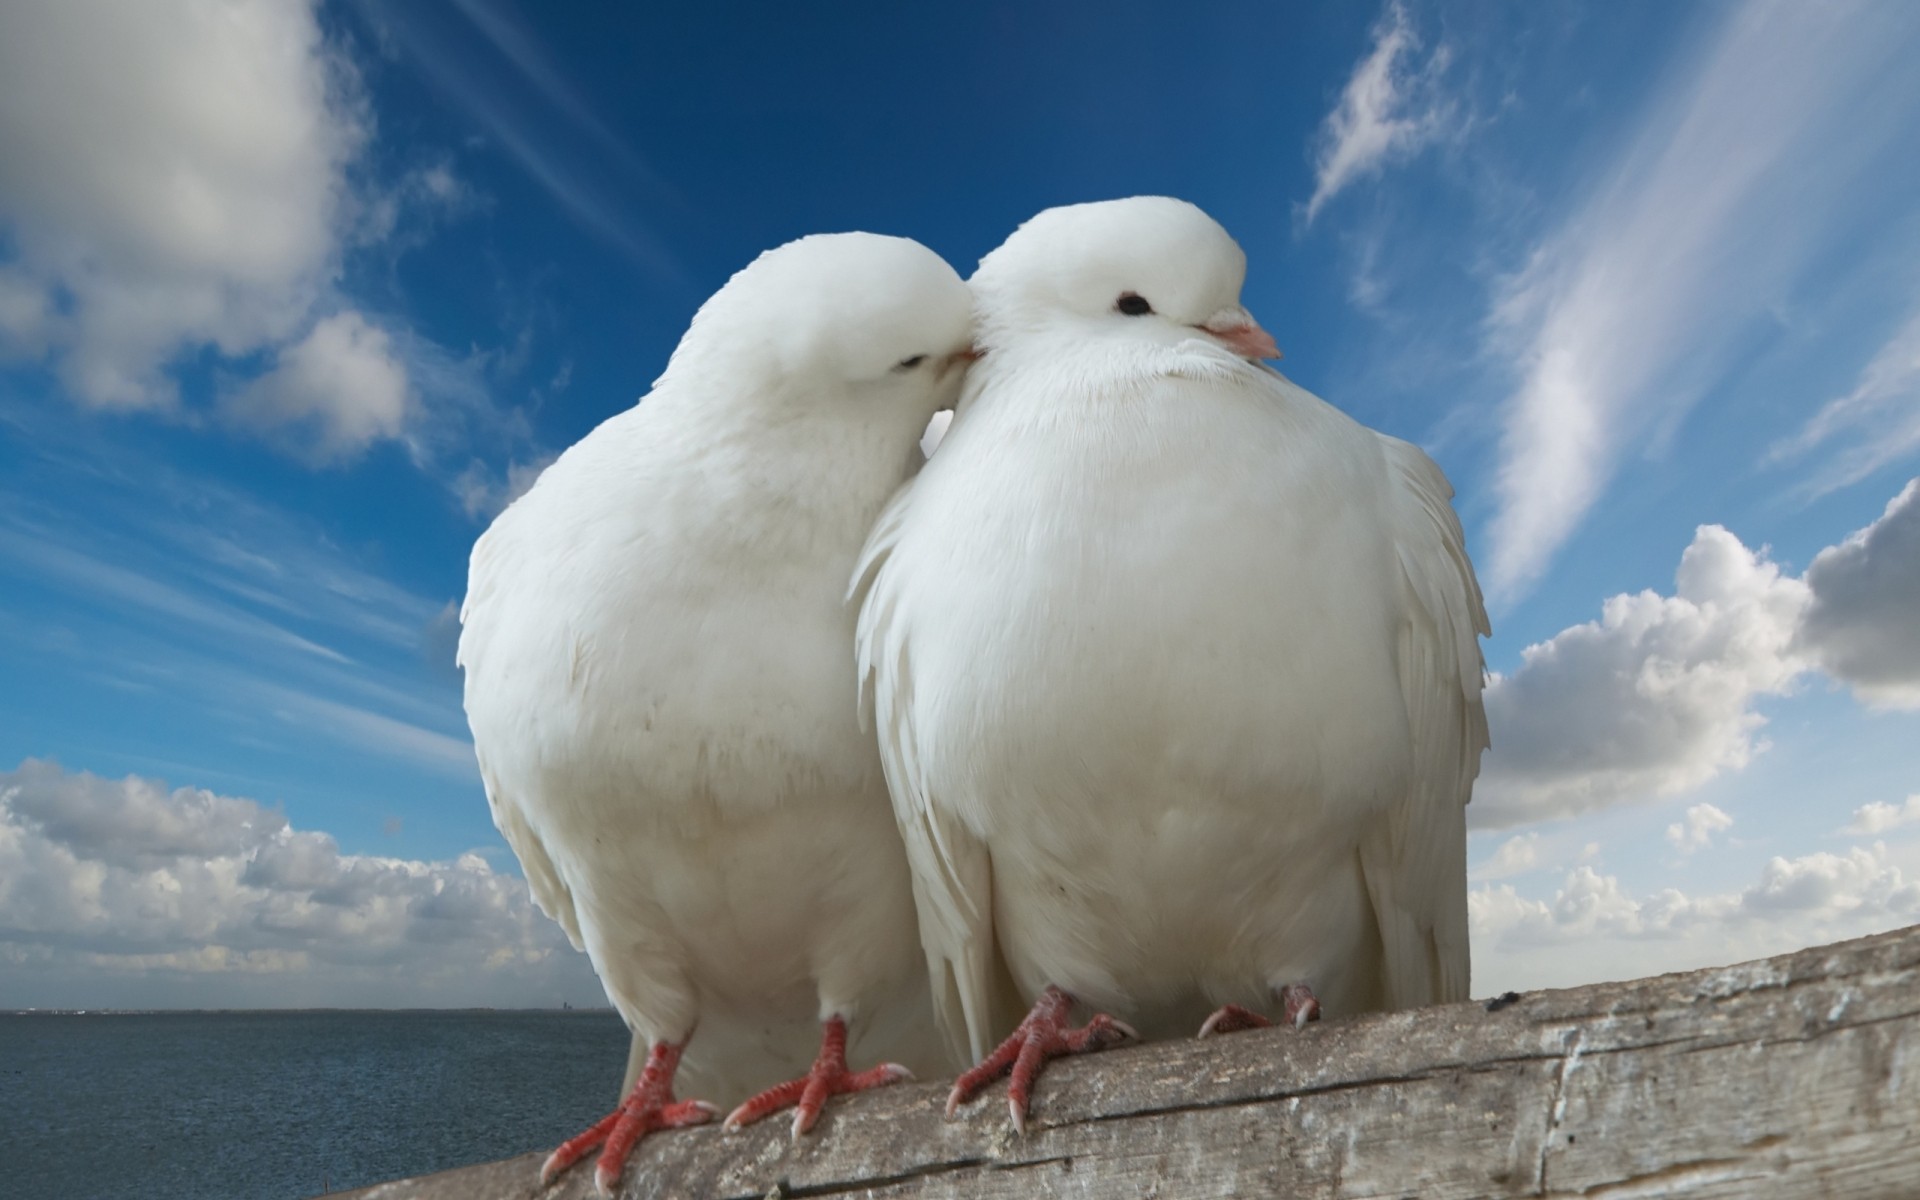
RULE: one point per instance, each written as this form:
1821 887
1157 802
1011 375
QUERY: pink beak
1240 333
961 358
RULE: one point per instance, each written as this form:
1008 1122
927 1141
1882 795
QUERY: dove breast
1173 708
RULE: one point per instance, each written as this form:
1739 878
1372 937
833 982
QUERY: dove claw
1231 1018
1043 1035
1298 1005
648 1107
829 1076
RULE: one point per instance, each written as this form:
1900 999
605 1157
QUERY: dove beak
1236 329
961 358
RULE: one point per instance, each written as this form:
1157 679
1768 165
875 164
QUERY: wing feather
952 868
1416 868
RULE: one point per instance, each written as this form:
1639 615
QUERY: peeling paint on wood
1798 1076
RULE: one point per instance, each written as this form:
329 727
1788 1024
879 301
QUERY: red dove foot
1298 1005
829 1077
1043 1035
649 1106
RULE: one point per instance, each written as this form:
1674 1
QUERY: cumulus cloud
1864 622
339 390
1695 831
1870 820
1651 700
1592 929
176 178
1737 178
185 181
110 880
1389 109
1515 856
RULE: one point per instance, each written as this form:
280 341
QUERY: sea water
281 1105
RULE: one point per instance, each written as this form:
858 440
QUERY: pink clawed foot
1231 1018
648 1107
1298 1005
829 1077
1043 1035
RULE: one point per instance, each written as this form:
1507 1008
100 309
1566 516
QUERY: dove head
1149 268
880 324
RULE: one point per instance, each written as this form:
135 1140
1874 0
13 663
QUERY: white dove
660 681
1173 665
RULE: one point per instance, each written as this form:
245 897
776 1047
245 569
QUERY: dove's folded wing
952 868
1415 863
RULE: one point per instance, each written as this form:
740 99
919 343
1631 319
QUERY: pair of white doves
1158 690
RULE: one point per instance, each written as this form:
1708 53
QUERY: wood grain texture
1789 1077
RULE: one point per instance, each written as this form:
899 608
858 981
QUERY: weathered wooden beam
1794 1076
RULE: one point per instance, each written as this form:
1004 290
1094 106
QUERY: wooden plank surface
1794 1076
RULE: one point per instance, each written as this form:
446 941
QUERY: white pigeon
660 681
1173 665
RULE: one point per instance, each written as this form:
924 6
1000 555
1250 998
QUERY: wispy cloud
1743 168
202 600
89 579
520 47
1390 108
374 731
1880 417
451 70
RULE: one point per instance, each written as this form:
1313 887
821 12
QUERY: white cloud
1515 856
175 179
1870 820
1695 831
1388 110
1864 623
184 180
107 885
339 390
1651 700
1657 697
1593 930
1882 412
1739 175
26 315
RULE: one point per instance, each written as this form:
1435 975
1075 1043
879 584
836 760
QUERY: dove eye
1133 304
908 364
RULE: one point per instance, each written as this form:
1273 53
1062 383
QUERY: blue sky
294 298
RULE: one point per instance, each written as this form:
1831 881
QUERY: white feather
660 684
1173 665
